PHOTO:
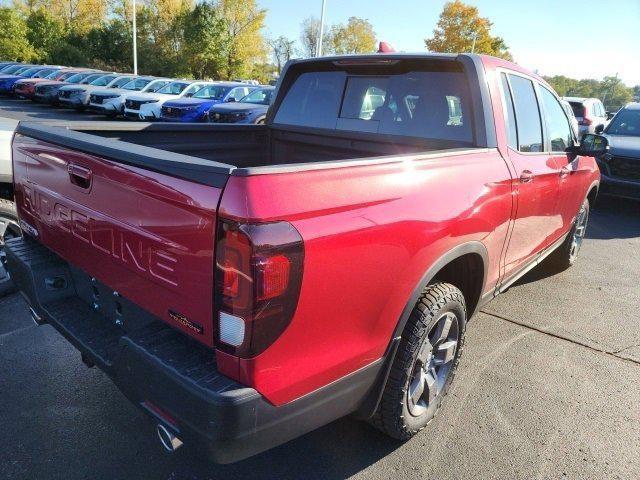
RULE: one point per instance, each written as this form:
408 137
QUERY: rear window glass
578 109
432 105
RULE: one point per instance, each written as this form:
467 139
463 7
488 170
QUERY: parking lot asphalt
548 387
27 110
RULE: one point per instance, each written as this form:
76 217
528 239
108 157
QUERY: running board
533 264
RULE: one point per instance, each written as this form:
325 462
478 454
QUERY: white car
77 96
146 106
7 128
111 101
8 216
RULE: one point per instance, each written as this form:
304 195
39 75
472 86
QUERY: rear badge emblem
182 320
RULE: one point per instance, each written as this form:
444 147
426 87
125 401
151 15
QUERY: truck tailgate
148 236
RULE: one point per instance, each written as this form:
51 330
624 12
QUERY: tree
614 93
310 30
14 44
109 46
610 90
636 93
246 45
45 33
206 41
78 15
357 36
458 26
282 49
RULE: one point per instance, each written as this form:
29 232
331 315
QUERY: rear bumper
153 364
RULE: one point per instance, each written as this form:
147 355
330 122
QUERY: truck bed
207 153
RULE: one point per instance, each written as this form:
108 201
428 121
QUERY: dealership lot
549 388
27 110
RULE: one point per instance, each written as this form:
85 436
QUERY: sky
576 38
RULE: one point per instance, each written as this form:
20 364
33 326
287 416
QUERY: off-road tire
393 416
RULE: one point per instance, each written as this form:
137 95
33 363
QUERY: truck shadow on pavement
611 218
336 451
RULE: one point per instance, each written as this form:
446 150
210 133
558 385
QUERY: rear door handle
526 176
80 176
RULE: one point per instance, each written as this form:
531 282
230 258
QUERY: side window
557 124
510 114
527 115
238 93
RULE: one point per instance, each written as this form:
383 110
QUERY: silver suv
589 112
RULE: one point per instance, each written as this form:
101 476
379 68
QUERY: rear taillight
586 119
258 278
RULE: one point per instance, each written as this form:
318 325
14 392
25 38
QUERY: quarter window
527 114
510 114
558 127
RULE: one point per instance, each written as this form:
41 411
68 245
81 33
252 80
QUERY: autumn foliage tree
357 36
461 29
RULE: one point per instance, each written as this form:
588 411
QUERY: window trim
503 96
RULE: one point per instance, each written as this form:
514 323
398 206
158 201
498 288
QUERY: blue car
4 66
196 108
7 82
250 109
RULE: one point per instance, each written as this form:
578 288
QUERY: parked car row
137 97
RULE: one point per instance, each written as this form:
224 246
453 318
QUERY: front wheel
425 363
567 253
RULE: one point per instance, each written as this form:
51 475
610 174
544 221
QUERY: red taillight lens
273 276
231 273
586 119
258 278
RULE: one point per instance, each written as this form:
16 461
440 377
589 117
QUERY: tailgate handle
80 176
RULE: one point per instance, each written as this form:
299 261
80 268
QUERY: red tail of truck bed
113 220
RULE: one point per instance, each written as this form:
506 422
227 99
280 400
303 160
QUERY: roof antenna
386 48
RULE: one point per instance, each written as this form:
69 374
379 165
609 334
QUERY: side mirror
610 115
188 95
599 129
592 145
231 100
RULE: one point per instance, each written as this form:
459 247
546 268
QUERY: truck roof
487 60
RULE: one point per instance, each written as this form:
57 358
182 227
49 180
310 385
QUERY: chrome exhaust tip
168 440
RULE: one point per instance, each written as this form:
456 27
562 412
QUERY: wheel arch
437 271
592 194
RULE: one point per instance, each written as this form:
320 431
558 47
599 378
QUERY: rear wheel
425 364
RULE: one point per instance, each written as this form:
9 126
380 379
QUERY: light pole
320 34
473 45
135 46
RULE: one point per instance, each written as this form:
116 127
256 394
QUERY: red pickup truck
245 284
